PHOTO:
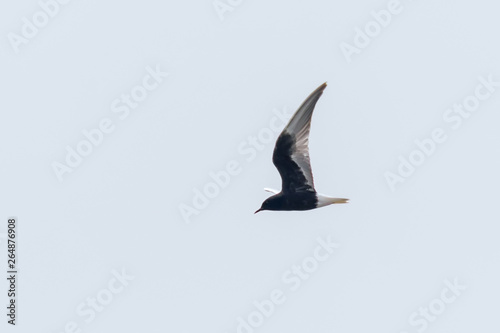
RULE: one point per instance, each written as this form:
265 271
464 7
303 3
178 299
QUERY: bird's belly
301 201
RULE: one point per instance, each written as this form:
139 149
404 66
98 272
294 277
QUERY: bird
291 158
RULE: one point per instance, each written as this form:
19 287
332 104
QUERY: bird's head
270 203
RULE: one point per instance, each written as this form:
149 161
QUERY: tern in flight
291 158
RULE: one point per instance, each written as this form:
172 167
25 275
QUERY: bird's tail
324 200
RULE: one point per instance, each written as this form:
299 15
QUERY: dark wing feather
291 153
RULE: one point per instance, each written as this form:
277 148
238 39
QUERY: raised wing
291 153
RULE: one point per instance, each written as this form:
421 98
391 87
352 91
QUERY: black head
271 203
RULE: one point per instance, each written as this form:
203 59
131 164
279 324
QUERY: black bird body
291 158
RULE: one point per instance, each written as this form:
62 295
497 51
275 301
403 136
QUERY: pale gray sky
138 136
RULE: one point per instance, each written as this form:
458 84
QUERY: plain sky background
120 207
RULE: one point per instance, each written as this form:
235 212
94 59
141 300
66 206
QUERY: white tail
325 201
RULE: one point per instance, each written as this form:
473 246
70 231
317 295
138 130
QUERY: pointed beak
258 210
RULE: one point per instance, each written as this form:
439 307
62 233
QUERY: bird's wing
291 153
